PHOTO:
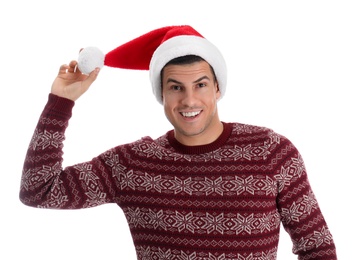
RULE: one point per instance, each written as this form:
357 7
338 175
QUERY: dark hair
184 60
188 59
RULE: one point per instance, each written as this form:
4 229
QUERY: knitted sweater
225 200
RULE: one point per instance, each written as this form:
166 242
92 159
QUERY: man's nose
189 97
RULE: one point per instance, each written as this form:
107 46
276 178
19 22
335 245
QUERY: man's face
190 95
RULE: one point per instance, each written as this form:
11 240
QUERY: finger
72 66
91 78
94 74
63 68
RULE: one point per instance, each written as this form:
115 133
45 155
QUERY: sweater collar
200 149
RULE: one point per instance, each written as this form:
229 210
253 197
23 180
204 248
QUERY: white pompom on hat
153 50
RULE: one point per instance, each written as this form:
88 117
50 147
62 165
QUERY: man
206 189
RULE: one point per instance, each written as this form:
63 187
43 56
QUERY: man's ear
218 93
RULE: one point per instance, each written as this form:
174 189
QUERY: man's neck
205 137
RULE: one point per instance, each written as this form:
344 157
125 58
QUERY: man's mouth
190 114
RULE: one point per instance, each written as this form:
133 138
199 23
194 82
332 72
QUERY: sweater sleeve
300 213
44 183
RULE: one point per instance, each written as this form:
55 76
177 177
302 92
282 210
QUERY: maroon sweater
224 200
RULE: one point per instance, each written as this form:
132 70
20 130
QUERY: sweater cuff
59 106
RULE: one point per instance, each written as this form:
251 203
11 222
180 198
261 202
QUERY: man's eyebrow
178 82
174 81
202 78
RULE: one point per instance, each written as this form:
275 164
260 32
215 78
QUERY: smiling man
206 189
190 93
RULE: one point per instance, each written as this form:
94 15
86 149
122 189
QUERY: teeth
190 114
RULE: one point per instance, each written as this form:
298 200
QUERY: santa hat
153 50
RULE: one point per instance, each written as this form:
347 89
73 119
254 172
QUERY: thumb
92 77
87 82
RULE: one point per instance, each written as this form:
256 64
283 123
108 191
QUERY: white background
294 66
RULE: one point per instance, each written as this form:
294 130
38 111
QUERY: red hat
153 50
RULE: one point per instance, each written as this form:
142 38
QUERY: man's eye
175 87
201 85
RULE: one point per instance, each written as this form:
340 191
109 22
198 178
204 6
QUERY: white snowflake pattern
49 139
324 236
57 198
128 180
284 178
243 223
48 172
298 165
184 221
164 255
212 186
265 223
179 185
236 153
291 214
185 256
30 179
241 185
117 169
150 150
270 186
309 202
135 217
152 182
95 197
85 173
156 219
214 223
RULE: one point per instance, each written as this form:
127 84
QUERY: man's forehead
193 69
